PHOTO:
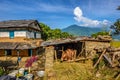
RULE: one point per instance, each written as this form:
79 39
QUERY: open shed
83 48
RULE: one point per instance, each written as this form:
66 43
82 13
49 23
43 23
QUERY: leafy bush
1 71
102 33
48 33
115 44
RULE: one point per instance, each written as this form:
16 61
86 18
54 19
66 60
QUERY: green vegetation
80 71
118 8
73 71
102 33
1 71
116 27
48 33
115 44
81 30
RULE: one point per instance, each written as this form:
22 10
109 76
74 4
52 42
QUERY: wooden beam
75 55
108 59
82 59
118 76
55 55
83 44
104 51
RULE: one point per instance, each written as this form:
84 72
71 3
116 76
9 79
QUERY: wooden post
18 53
83 43
117 77
62 48
75 55
100 58
6 54
31 52
113 57
55 55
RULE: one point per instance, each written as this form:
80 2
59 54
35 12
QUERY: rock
98 74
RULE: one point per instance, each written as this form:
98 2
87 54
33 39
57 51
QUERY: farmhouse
20 37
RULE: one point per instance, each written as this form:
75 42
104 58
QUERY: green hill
81 30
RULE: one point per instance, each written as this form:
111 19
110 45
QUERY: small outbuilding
73 48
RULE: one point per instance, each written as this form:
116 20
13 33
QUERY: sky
62 13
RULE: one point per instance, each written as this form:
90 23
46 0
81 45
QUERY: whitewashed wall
26 34
30 34
38 35
20 33
4 34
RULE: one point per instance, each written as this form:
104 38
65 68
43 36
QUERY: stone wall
91 45
49 52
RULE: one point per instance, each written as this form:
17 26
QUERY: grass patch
73 71
115 44
80 71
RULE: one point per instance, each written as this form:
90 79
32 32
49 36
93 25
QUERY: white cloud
86 21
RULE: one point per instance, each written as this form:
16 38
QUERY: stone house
20 37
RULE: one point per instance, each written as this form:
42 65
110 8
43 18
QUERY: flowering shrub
30 61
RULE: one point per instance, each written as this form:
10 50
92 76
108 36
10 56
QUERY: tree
116 27
118 8
45 31
48 33
102 33
66 35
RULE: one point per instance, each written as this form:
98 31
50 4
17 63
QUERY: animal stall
69 51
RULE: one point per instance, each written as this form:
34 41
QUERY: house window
11 34
8 52
29 52
34 34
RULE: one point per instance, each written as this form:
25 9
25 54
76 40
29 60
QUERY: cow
68 55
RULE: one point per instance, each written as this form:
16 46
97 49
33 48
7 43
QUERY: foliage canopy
102 33
116 27
48 33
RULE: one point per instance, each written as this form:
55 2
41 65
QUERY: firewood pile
68 54
110 54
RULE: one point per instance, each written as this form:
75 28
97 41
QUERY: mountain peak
81 30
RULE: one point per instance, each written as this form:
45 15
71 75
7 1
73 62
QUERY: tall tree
48 33
116 27
118 8
45 31
102 33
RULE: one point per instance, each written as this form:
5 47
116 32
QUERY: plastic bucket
21 71
29 76
41 73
